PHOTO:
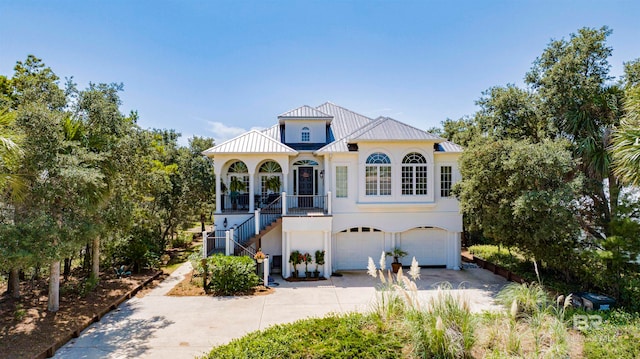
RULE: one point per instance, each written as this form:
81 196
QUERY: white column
329 202
204 244
327 254
393 240
457 260
252 196
286 251
327 179
218 193
285 181
257 219
265 271
284 203
227 237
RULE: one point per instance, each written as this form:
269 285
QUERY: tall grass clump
531 326
441 327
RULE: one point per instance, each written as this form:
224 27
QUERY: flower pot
316 274
396 267
294 274
260 260
307 274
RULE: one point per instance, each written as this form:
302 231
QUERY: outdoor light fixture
322 174
225 223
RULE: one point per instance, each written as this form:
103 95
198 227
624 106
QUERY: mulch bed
28 330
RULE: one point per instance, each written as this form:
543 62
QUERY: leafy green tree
573 82
522 194
198 176
462 131
511 112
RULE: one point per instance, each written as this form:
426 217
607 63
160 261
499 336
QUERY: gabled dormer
305 128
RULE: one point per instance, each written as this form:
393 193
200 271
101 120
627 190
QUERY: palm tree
626 141
10 155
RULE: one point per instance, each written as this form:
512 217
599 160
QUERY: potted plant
295 258
259 256
236 186
306 258
396 253
319 262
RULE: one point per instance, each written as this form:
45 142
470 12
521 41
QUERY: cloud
222 132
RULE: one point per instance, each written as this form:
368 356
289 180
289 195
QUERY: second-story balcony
294 205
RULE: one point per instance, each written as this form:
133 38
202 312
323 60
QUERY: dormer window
305 136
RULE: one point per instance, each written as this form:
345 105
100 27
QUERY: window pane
377 158
445 181
371 180
421 180
341 181
385 180
407 180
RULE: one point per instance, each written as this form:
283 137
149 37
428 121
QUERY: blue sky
216 68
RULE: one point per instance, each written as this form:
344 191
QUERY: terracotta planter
396 267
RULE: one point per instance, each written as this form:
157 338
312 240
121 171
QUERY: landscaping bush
230 275
352 335
182 240
616 337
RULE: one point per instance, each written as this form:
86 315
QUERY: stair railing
270 213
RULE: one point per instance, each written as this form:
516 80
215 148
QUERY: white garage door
429 246
354 247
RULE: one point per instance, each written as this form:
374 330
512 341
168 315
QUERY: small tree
295 258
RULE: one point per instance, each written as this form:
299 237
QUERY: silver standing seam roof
346 127
251 142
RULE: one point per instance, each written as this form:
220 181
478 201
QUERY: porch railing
302 204
216 243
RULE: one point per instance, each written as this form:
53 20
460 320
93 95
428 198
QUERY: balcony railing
303 205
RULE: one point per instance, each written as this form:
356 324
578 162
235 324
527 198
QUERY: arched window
270 174
238 178
305 136
378 175
414 174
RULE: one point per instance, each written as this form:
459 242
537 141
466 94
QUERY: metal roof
250 142
273 132
387 128
305 112
344 121
448 146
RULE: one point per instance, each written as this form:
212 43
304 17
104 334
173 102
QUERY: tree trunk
54 287
14 283
202 219
95 258
67 269
87 258
614 195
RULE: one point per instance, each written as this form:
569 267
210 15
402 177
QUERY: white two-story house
327 178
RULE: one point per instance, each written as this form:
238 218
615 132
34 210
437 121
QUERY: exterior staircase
253 243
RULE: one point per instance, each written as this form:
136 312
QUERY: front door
305 187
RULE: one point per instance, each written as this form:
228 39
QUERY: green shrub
616 337
183 240
230 275
352 335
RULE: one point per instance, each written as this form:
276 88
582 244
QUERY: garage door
354 247
427 245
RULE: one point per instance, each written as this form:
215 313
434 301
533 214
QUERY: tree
626 140
521 194
462 131
573 82
511 112
199 178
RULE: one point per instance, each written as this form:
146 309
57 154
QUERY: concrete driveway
159 326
